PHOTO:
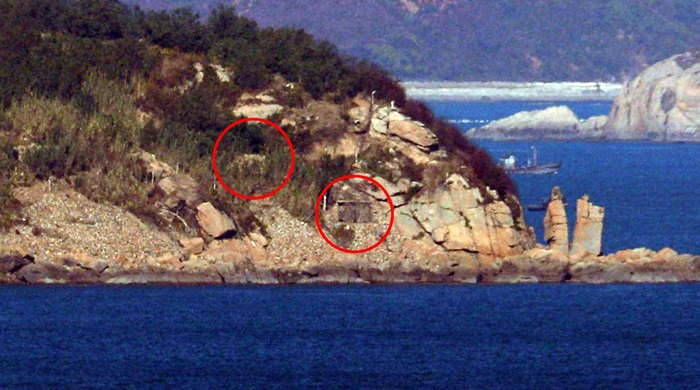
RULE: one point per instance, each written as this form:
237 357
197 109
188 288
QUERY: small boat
542 206
510 165
539 207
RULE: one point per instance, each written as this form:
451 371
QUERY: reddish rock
192 246
588 233
213 222
179 188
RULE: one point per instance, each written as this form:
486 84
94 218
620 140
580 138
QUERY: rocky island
660 104
107 176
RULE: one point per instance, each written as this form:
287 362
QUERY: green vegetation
80 99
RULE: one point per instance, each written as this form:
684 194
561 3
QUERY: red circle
291 164
388 198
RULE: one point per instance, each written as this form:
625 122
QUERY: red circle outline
291 164
347 177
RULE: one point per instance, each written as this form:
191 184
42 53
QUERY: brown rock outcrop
213 222
662 103
556 228
411 131
456 217
410 138
537 265
192 246
588 232
179 188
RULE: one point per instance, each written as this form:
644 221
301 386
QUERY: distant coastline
509 91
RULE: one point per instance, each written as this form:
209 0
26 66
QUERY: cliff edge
661 104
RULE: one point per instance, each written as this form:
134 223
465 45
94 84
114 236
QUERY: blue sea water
649 190
527 336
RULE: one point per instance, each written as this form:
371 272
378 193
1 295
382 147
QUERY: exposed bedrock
661 104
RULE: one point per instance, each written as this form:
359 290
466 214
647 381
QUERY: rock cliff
588 232
557 122
556 227
661 104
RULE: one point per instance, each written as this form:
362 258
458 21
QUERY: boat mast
534 156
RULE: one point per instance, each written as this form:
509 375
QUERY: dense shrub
9 207
178 29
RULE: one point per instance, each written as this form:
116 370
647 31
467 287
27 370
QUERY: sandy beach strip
508 91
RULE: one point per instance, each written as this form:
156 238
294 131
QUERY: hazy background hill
487 40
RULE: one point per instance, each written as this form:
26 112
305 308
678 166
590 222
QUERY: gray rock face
557 122
662 103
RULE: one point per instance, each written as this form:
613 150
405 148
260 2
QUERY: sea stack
556 228
588 232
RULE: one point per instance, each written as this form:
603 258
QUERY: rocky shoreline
252 261
538 266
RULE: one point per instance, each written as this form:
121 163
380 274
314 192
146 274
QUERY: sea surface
650 191
475 336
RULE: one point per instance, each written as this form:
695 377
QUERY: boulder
179 189
455 219
85 261
169 261
556 228
264 111
213 222
192 246
56 274
414 133
540 268
662 103
588 232
598 271
12 260
385 121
